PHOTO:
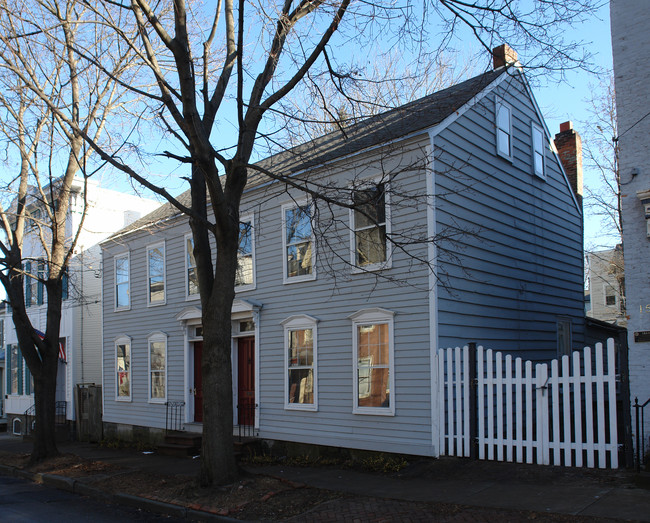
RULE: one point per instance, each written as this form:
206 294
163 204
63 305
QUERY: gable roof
419 115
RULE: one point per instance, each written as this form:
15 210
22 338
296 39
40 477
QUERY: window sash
192 276
504 129
122 294
123 370
298 241
245 268
156 274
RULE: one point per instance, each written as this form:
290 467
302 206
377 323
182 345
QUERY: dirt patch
252 497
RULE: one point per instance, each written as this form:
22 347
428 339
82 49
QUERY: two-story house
103 212
335 327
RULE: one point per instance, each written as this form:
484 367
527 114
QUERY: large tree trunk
218 465
45 402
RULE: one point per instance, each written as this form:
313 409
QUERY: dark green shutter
28 284
19 365
64 285
8 373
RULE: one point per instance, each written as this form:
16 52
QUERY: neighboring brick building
631 50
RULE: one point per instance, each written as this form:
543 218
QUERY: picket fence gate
515 411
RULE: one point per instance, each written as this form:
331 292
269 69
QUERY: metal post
638 442
473 413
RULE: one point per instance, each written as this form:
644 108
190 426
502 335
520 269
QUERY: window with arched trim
301 369
123 369
157 367
373 362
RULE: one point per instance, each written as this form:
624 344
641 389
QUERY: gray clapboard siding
523 268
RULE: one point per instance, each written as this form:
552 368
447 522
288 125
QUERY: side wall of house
631 52
514 264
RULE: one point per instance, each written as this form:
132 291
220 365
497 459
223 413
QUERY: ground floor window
300 350
158 367
123 368
373 362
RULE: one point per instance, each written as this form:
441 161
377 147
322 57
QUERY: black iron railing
60 412
640 432
174 415
246 419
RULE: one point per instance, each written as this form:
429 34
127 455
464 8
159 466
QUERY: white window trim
388 263
534 127
156 337
292 323
307 277
126 255
188 296
148 289
251 218
609 286
498 103
374 315
123 340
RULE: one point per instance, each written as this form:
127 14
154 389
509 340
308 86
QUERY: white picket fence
527 414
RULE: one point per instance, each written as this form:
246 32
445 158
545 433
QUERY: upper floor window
156 274
245 277
14 370
158 367
298 242
123 369
504 129
122 284
373 362
300 343
191 277
610 295
370 226
537 136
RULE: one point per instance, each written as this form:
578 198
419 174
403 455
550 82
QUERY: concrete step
184 438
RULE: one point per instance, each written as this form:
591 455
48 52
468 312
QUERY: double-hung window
158 367
15 370
245 277
156 274
191 277
123 369
538 147
298 242
504 129
300 343
373 362
122 284
31 283
370 219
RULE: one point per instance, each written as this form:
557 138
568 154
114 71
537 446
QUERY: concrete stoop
180 444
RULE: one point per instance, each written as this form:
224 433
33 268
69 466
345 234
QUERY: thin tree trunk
45 402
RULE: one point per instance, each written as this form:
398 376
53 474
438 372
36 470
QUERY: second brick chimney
503 55
569 149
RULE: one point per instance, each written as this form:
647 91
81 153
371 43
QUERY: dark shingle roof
407 119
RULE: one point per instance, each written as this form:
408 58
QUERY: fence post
473 412
638 439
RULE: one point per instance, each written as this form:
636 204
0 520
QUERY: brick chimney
503 55
569 149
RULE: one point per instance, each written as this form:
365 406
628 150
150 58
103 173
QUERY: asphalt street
22 500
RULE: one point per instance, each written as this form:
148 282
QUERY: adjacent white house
80 343
606 278
631 53
335 329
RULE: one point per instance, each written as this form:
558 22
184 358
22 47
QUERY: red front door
246 381
198 382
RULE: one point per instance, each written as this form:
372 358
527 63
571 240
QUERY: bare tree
223 76
48 164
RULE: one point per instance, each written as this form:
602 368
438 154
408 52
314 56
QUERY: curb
82 489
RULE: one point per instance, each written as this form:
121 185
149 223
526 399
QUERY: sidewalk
463 490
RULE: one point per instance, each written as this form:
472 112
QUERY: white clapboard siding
562 413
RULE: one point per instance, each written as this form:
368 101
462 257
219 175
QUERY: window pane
157 355
121 270
504 142
374 388
301 386
123 295
503 118
245 238
371 246
192 280
298 224
123 370
539 163
372 344
158 385
156 274
122 282
370 206
299 259
14 369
